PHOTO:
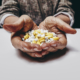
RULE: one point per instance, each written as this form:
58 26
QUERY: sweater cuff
65 13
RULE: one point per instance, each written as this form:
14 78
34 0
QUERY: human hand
18 27
23 24
32 50
58 26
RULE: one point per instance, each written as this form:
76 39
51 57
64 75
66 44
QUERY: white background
62 65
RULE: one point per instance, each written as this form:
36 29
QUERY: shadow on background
51 56
76 8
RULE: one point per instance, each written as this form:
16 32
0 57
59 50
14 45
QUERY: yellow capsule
38 42
41 33
55 38
42 40
34 33
36 36
34 41
38 31
26 36
49 36
29 36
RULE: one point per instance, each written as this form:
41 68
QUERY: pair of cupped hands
52 24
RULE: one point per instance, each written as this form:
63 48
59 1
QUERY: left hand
53 24
33 50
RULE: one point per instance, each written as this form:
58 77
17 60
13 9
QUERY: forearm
65 18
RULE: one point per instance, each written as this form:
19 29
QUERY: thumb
58 23
64 26
14 27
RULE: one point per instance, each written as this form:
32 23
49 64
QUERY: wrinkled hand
58 26
34 50
22 25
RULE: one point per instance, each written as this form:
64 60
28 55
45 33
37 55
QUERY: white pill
46 38
27 40
43 35
39 35
36 39
36 32
51 39
42 31
22 39
45 31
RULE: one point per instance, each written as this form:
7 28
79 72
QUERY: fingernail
54 45
44 53
35 49
25 48
38 55
46 48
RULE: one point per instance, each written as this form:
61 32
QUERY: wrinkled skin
50 23
58 26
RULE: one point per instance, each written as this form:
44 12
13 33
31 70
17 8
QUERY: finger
31 54
19 44
44 52
50 22
35 54
28 47
64 26
38 54
45 46
48 47
36 47
52 49
24 46
61 43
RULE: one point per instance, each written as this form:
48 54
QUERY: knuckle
32 54
26 17
50 21
49 17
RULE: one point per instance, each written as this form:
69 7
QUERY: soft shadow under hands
49 57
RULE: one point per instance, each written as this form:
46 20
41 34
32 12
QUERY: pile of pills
40 36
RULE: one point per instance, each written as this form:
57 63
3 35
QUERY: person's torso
38 10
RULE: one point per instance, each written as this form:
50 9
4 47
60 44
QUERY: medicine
40 36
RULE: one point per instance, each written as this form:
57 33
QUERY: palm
35 50
54 45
